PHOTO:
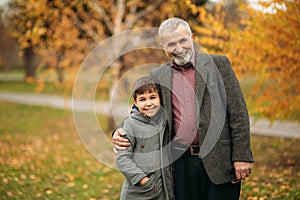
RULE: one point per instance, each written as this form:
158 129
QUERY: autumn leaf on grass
71 184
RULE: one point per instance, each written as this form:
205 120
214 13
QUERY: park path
285 129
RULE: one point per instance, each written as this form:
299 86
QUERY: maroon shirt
184 103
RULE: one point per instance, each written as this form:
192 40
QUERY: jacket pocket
145 191
149 185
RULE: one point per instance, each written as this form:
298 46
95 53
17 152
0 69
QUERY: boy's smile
148 103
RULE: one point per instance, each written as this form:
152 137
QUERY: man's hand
242 170
120 143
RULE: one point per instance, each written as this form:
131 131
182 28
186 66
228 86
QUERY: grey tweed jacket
223 121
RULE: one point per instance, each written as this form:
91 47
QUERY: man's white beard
182 59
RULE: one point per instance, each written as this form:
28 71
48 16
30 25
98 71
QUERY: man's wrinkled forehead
169 35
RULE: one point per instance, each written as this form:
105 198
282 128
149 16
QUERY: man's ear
162 46
192 35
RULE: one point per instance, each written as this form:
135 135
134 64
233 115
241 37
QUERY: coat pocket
145 191
149 185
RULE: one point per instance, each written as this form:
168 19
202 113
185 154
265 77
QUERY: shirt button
188 101
190 115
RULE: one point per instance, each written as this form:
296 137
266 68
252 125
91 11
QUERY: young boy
142 164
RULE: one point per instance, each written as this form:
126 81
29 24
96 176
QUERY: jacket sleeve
237 112
124 159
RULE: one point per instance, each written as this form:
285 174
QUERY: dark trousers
192 182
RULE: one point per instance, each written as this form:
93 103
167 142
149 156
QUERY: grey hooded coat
145 157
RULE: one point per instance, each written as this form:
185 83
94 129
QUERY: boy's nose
148 103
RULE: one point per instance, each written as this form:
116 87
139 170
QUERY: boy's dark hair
143 84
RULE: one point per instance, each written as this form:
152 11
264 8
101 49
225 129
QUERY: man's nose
178 48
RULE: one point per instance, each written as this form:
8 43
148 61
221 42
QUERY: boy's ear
133 101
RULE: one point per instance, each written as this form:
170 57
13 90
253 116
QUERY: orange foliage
268 48
62 32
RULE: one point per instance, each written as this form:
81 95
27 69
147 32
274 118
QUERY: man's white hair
171 24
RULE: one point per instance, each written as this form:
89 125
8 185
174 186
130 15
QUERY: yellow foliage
268 48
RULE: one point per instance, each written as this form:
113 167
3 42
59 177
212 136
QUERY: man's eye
183 40
171 44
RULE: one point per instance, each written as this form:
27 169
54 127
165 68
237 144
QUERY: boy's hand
120 143
144 180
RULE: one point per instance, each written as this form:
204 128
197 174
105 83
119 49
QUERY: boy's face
148 103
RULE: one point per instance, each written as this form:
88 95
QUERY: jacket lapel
165 79
201 79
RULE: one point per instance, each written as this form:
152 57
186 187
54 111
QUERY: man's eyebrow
170 43
183 38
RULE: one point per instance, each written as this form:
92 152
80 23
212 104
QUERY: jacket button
142 146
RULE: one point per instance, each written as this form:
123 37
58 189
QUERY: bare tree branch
88 30
132 18
132 7
81 24
119 16
106 19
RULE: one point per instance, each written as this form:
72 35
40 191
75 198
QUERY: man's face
178 44
148 103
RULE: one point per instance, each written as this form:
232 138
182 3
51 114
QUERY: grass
41 157
21 86
276 173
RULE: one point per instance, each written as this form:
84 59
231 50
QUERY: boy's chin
151 114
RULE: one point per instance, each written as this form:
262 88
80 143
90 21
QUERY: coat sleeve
124 159
237 112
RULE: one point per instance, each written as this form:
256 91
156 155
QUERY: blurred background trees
267 48
54 37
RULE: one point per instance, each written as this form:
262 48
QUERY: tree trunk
28 63
115 78
60 74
